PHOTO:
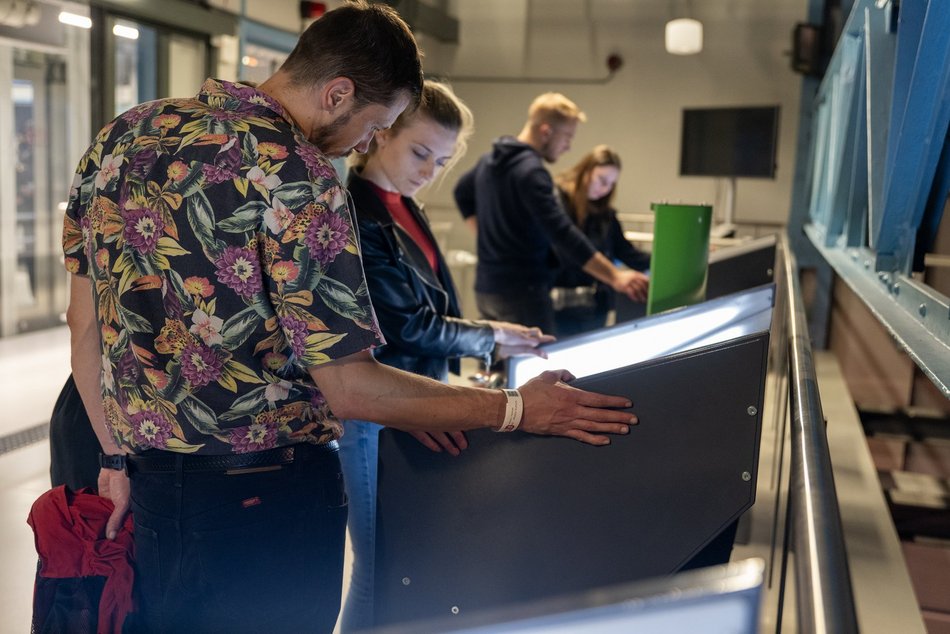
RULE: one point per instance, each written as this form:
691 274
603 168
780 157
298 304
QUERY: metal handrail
822 580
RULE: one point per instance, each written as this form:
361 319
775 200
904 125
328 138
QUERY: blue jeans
359 449
258 551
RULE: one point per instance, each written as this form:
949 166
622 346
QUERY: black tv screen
729 142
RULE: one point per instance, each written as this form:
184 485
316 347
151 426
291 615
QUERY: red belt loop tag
249 502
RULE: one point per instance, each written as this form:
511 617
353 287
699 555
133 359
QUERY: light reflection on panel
660 335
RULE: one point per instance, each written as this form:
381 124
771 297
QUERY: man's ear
336 93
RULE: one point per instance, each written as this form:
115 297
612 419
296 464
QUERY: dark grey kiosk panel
724 598
731 270
741 267
519 517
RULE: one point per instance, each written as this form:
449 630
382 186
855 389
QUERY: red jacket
69 530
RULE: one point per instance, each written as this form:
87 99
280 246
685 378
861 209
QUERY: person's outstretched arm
357 386
633 284
569 242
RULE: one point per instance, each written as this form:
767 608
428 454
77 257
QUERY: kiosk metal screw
752 410
406 581
455 609
746 476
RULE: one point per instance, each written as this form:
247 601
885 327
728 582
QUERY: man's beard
547 152
324 139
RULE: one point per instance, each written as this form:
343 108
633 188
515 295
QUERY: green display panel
680 254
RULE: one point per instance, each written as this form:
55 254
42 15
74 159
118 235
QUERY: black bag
66 605
74 448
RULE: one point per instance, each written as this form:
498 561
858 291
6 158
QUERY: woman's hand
631 283
453 441
512 339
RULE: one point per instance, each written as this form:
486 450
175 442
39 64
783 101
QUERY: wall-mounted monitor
739 142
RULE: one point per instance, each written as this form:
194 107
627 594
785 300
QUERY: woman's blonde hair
575 183
441 105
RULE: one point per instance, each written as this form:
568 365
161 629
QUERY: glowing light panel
652 337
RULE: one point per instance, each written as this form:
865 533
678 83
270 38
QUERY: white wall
638 112
280 14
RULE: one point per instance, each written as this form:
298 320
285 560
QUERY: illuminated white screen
652 337
726 614
726 601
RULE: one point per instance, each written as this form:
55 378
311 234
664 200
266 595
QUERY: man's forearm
85 358
359 387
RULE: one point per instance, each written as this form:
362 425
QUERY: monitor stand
727 228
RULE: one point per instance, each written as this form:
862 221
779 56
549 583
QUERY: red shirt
69 531
403 217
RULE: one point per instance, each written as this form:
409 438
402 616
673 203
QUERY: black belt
157 461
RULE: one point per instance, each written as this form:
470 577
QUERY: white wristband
514 410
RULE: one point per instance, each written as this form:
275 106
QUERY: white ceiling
632 12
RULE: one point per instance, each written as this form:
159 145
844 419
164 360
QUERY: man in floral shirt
217 283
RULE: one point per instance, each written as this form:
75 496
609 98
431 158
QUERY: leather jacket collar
370 208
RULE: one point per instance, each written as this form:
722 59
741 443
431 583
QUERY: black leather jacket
417 309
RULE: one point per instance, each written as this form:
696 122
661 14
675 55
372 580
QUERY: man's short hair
554 109
368 43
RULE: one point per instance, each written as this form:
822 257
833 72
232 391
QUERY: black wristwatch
109 461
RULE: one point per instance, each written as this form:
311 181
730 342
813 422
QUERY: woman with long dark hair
587 191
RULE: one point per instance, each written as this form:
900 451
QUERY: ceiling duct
430 18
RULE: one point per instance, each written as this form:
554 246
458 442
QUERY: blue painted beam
899 158
910 22
880 42
919 140
914 314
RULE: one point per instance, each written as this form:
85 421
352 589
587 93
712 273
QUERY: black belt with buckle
157 461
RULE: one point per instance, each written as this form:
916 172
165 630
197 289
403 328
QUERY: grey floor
32 371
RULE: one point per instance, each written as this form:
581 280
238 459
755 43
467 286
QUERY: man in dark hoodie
509 196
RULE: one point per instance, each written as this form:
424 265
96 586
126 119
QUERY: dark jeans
530 306
577 320
250 552
574 320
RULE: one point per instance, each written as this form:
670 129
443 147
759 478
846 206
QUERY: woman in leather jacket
581 303
414 299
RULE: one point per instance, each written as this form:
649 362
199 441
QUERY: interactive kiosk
519 517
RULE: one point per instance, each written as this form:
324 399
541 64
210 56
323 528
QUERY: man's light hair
554 109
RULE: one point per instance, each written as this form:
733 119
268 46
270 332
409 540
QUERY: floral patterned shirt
224 263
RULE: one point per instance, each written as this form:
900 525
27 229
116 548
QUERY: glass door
135 60
33 289
151 61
